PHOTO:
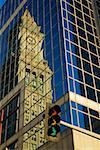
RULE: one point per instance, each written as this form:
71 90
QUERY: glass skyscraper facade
49 52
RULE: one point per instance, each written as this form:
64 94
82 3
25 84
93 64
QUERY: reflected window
27 78
34 81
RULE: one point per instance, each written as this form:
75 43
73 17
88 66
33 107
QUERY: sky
2 2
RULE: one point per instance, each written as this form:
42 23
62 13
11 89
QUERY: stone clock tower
34 69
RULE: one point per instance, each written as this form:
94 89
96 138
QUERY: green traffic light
53 132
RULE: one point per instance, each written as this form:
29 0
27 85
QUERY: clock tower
34 70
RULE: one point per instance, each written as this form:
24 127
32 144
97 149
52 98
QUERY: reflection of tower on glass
37 74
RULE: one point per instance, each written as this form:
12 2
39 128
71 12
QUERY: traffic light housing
52 122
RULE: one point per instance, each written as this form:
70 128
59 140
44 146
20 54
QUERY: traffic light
53 122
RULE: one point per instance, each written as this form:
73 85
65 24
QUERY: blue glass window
70 9
65 23
79 88
71 85
75 49
74 114
66 34
68 116
82 108
84 121
68 58
71 18
73 38
64 13
70 70
73 104
78 74
72 27
67 45
63 4
76 61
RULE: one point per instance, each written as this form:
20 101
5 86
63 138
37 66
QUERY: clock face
31 40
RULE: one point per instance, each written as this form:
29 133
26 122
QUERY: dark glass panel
85 54
83 43
95 125
91 93
86 10
90 38
88 79
87 19
79 14
81 33
93 112
92 48
73 38
97 82
96 71
86 66
80 23
94 59
78 5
